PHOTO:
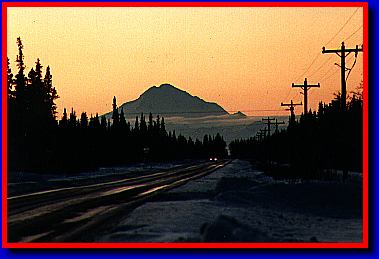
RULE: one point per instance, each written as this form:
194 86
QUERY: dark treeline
38 140
327 139
97 141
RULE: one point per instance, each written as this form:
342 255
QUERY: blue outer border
373 252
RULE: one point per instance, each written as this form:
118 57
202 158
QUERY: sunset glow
245 59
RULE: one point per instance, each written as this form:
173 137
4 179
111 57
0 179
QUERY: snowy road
78 213
188 203
239 203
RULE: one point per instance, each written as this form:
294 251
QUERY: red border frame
363 244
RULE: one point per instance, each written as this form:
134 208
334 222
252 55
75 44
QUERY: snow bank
239 204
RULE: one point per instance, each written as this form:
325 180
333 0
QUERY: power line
291 108
333 67
334 70
328 75
335 35
295 95
351 68
351 35
343 26
313 61
288 94
268 122
305 88
323 64
342 53
332 74
298 96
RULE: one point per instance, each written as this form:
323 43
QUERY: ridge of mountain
170 101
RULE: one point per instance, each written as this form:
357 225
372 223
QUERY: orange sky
242 58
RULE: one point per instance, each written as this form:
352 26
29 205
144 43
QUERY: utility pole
259 136
305 88
291 109
343 53
268 150
266 154
277 124
263 132
268 124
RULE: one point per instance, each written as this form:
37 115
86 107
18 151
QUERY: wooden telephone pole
291 109
259 136
268 150
305 88
268 119
277 123
263 132
343 53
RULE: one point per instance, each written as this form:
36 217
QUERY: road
76 214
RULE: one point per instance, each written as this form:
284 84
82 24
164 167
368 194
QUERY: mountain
169 101
238 115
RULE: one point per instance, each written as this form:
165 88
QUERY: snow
230 127
238 203
20 183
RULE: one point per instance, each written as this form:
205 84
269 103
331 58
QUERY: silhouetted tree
143 126
115 115
72 121
333 140
20 83
150 123
103 122
96 121
83 120
10 83
38 142
50 95
163 127
136 125
123 124
64 121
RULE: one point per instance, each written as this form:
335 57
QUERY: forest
40 141
330 138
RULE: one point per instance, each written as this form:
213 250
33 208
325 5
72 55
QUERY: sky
245 59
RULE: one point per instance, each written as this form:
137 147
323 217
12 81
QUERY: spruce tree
103 123
96 121
83 120
115 115
163 127
158 124
10 83
122 120
64 121
50 95
72 121
136 125
150 123
20 84
143 126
